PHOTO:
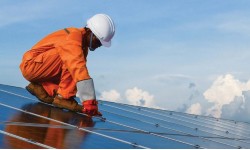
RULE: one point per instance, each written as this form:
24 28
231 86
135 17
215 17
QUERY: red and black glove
90 107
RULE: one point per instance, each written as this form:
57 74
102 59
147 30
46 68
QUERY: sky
188 56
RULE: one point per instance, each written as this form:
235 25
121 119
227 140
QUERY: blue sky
182 55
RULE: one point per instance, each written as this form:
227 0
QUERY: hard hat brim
105 44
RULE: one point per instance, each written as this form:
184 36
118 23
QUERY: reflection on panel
49 132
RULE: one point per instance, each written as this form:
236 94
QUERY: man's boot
70 104
38 91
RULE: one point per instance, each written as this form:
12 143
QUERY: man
56 65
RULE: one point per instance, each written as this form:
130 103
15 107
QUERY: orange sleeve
71 53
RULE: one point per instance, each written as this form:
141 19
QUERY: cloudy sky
182 55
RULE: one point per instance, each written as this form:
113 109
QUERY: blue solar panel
28 123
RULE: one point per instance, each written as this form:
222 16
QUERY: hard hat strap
90 43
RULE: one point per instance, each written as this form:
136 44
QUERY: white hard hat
103 28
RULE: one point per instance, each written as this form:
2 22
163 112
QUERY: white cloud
136 96
132 96
194 109
214 111
239 109
111 95
223 91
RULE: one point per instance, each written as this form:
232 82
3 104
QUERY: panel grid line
26 140
180 124
176 119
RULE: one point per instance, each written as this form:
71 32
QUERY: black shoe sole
27 88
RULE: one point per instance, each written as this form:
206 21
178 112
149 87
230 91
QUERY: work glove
86 93
90 107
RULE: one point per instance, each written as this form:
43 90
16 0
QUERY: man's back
59 36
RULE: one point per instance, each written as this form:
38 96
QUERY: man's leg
44 72
66 92
67 86
49 70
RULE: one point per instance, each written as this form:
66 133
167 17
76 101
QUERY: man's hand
86 92
90 107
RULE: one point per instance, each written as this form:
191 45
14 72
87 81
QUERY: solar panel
29 123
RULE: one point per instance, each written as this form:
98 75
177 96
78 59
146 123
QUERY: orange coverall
57 62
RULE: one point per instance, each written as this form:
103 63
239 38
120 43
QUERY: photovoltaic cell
28 123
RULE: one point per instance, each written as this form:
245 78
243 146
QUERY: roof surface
27 123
